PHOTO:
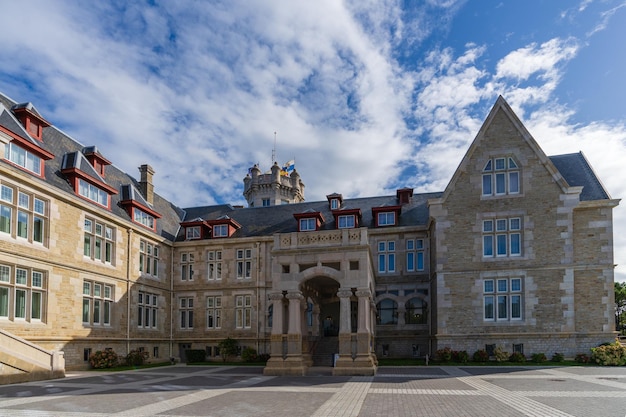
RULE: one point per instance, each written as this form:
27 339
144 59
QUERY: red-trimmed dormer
334 201
404 195
347 218
309 220
85 181
386 215
30 118
223 226
196 229
137 208
95 158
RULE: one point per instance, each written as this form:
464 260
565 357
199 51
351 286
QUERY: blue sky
367 95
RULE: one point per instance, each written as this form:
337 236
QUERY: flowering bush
500 354
103 359
136 358
443 355
460 356
480 355
612 354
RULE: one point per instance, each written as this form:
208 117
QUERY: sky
367 96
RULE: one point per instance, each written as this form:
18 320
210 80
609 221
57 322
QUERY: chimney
147 189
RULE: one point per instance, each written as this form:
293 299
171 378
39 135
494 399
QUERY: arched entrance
322 318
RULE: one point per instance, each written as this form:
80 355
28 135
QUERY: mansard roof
59 144
265 221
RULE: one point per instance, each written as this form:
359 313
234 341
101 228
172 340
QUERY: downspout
128 245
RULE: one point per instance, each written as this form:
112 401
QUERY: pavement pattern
395 391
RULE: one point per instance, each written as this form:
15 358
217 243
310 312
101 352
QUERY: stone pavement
395 391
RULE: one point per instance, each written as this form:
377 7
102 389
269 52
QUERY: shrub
136 358
517 357
264 357
582 358
480 355
500 354
613 354
539 357
443 355
195 355
103 359
460 356
557 357
228 348
249 355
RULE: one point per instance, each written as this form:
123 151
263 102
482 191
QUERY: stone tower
272 188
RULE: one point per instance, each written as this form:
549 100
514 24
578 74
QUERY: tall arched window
416 311
387 312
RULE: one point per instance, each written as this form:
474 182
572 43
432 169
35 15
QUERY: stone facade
516 254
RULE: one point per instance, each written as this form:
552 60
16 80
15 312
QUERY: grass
421 362
131 367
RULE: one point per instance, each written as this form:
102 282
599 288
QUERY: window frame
503 299
501 176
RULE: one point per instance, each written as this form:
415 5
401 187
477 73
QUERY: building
516 252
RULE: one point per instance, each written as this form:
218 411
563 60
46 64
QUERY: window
147 305
97 303
244 263
220 230
99 241
414 255
186 266
334 203
22 157
502 299
143 218
307 225
501 176
22 214
387 218
214 312
28 290
386 257
346 221
387 312
265 202
502 237
93 193
243 311
186 312
214 262
148 258
192 232
416 311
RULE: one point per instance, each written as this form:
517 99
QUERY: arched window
270 315
387 312
416 311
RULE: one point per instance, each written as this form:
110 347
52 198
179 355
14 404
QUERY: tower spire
274 150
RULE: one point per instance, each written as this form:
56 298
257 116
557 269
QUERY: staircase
22 361
325 349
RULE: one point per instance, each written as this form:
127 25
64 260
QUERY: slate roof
265 221
60 144
577 172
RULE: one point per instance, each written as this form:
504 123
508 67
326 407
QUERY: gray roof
59 144
577 172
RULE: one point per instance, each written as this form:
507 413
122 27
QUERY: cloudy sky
367 95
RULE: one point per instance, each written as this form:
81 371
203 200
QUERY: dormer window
220 230
93 193
501 176
346 222
143 218
309 221
334 201
30 119
23 158
387 218
193 232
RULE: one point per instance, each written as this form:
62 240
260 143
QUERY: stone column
295 363
345 324
276 338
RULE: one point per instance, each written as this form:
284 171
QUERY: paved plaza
395 391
